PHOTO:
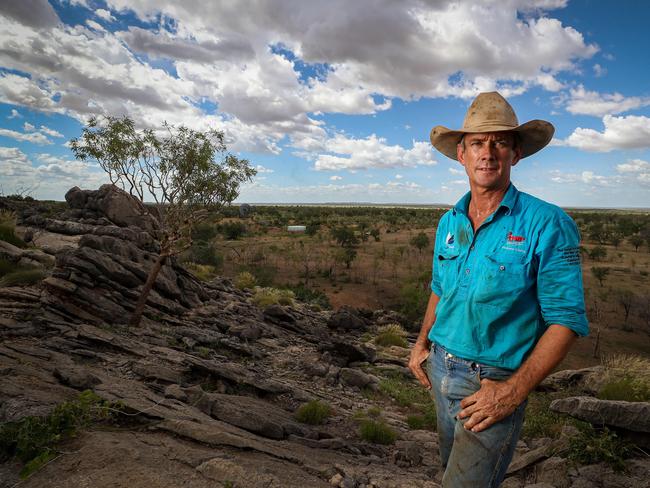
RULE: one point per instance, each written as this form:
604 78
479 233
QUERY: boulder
346 318
355 377
345 352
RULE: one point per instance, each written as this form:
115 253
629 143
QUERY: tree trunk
142 300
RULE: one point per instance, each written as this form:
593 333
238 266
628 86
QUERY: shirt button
502 268
471 248
467 271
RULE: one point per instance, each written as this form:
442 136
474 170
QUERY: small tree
176 169
420 241
600 274
625 299
636 241
598 253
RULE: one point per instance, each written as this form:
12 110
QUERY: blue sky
333 101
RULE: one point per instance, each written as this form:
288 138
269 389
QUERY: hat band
497 126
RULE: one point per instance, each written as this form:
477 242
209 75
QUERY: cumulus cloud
34 13
15 114
634 166
586 102
586 177
456 171
50 132
627 132
336 178
261 169
33 137
371 152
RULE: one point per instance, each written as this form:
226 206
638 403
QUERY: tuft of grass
404 391
628 389
271 296
626 378
8 229
22 277
391 335
245 280
377 432
313 413
203 272
34 440
540 420
593 446
426 420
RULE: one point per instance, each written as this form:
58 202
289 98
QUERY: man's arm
498 399
420 350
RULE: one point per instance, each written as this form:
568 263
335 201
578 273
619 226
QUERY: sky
333 101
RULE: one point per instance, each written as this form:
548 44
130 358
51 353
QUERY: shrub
593 446
8 229
245 280
414 297
540 420
391 335
232 230
313 297
627 377
313 413
33 440
204 231
7 267
203 253
23 277
377 432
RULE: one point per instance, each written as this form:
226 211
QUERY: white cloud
28 127
15 114
586 102
398 177
50 132
336 178
104 15
261 169
34 137
627 132
95 26
455 171
587 177
633 166
599 70
372 152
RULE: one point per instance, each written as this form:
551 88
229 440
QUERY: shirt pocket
504 277
448 269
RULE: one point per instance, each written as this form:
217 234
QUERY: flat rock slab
634 416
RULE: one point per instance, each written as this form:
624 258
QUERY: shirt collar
508 202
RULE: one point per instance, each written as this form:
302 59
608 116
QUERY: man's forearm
550 350
429 319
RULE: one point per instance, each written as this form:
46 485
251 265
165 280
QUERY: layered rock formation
209 382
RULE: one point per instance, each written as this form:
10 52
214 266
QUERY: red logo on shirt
514 238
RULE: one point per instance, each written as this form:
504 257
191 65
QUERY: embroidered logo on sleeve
570 255
450 239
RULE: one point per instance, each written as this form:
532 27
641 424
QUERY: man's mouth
487 169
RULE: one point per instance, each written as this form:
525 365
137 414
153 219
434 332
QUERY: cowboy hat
490 112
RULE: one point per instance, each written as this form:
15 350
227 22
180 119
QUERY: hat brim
534 135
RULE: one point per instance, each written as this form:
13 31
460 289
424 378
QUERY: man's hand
419 354
493 402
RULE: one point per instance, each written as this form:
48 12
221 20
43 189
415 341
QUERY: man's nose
488 151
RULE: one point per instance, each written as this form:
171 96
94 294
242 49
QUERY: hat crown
489 112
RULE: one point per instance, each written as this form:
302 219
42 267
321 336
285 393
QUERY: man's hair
516 140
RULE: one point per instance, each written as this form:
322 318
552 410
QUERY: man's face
488 158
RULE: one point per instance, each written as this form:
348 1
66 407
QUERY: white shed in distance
296 228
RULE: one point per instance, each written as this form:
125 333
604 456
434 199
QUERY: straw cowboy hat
490 112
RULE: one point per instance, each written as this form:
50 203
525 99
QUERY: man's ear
517 157
460 154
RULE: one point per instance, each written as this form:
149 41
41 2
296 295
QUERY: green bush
204 231
593 446
7 234
33 440
391 335
22 277
313 413
204 253
232 230
245 280
413 299
377 432
203 272
308 295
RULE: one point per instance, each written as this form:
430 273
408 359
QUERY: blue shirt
501 287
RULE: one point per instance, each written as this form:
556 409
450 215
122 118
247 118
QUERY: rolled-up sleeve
559 279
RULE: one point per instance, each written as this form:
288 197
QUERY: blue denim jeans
471 460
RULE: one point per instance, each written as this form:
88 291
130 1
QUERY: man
507 301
